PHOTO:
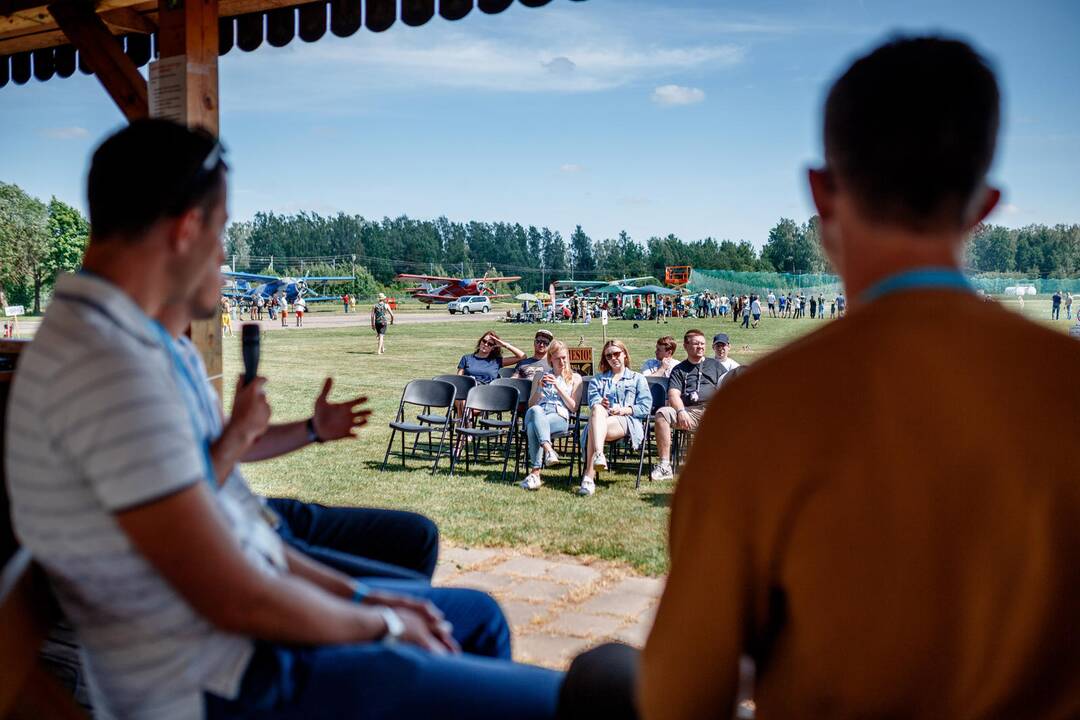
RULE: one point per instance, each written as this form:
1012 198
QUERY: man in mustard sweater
908 554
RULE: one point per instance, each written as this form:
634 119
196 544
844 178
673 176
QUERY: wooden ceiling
33 46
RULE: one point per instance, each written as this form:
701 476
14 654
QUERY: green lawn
475 508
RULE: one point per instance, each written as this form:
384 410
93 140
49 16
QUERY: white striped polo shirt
96 425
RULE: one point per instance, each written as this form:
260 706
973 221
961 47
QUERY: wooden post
188 39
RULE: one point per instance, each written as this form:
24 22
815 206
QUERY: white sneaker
551 458
588 487
532 481
599 461
662 471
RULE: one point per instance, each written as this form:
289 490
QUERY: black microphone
250 343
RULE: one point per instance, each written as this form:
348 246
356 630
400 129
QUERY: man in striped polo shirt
186 606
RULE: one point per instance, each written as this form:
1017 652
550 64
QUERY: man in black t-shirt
538 361
690 386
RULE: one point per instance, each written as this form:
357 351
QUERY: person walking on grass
553 401
380 313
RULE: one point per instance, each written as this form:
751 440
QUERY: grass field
618 523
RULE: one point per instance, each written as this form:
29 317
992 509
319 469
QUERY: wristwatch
312 436
395 628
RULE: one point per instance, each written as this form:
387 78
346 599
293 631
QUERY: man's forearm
332 581
225 452
278 440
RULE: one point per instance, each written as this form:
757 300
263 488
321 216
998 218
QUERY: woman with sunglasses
484 364
619 400
553 401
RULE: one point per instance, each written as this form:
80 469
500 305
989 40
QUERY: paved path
557 605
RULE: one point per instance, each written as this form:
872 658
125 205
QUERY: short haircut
910 130
691 332
150 170
667 342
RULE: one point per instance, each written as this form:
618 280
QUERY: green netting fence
726 282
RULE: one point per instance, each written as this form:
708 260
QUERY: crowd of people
258 307
619 399
901 554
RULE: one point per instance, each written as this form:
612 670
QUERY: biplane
251 286
438 289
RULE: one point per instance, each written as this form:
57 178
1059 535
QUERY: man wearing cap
690 385
537 362
380 311
720 344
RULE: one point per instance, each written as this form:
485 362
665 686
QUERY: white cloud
65 133
677 95
552 52
1010 209
572 168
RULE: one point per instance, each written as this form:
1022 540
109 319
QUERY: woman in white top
553 401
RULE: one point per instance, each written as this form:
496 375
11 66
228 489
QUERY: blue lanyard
183 376
179 369
936 278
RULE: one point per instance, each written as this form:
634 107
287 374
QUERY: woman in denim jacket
619 401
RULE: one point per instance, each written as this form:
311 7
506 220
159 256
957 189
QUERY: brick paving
557 605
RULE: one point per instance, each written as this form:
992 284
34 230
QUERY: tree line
38 240
300 243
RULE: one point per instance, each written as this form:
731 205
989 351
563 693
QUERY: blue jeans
372 681
361 542
539 426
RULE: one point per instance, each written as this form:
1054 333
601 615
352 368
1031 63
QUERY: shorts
757 316
695 411
380 328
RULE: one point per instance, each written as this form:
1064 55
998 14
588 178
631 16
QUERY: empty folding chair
524 389
430 395
482 400
658 386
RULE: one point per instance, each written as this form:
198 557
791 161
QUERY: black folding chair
524 389
430 395
507 371
484 399
658 386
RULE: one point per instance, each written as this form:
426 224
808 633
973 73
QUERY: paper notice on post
168 88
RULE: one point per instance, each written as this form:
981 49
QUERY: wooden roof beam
104 55
128 19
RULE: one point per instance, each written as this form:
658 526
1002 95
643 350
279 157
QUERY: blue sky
696 118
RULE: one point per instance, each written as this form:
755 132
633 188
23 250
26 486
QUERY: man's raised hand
334 421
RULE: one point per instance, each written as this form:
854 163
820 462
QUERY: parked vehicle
469 304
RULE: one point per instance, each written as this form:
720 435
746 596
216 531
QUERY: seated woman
553 401
619 400
486 361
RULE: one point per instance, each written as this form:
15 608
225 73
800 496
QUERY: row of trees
296 243
37 241
1035 250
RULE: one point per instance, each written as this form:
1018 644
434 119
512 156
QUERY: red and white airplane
436 289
